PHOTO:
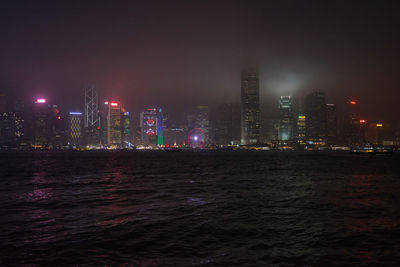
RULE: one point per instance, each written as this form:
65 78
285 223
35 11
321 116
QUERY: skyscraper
301 129
41 128
92 117
250 98
75 124
316 117
114 126
149 126
331 124
126 129
286 118
351 123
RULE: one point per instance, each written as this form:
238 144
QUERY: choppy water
199 209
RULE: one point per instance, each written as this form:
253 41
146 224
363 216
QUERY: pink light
106 103
114 104
40 100
363 121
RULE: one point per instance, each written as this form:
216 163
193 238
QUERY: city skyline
155 53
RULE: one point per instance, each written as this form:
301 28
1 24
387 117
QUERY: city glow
40 100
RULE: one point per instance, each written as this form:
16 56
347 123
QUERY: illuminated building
331 124
250 98
199 119
351 123
75 128
301 129
286 119
41 124
92 117
126 129
315 108
160 127
149 126
114 124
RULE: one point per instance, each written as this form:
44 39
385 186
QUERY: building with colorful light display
114 123
75 123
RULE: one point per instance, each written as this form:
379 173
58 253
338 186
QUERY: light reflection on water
199 209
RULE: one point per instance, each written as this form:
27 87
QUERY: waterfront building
351 123
92 117
301 129
315 108
114 126
75 125
149 127
199 119
286 119
126 129
250 100
41 124
331 124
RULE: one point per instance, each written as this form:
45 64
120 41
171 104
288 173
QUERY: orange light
363 121
353 102
58 118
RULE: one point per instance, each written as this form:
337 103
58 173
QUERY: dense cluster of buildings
310 124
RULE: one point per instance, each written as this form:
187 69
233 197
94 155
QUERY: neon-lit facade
149 125
114 124
126 129
301 129
75 123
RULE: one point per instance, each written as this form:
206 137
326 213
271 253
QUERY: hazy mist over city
178 54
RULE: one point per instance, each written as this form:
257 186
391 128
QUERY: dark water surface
199 209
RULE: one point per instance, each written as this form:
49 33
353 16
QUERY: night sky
162 52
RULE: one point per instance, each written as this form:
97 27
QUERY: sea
234 208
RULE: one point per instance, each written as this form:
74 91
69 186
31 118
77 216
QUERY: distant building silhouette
315 108
250 100
331 124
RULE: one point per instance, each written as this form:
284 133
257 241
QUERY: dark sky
160 52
